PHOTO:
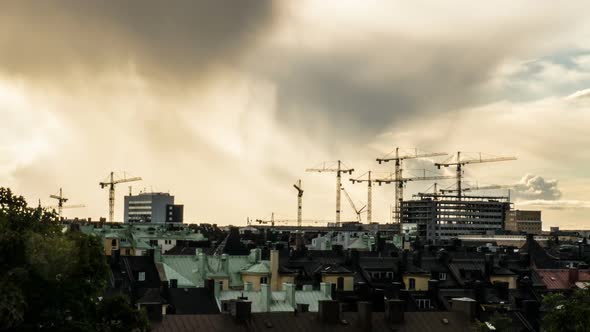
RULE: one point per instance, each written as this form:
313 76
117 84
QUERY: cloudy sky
225 103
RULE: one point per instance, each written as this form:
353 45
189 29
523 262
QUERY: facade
448 217
137 239
155 208
527 221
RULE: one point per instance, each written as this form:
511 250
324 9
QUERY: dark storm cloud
162 40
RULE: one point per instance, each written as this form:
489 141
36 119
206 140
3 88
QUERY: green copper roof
260 268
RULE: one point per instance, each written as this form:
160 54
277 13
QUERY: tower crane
476 187
400 182
111 182
399 188
369 182
60 203
338 169
459 163
299 201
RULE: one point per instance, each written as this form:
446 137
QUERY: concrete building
527 221
446 217
155 208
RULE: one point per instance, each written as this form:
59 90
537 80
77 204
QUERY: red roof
559 278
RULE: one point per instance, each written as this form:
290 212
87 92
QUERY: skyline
226 108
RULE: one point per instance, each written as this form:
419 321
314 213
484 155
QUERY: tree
567 313
51 279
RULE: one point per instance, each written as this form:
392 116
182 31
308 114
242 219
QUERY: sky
224 103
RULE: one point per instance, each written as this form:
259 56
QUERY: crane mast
60 202
111 182
338 170
399 187
299 202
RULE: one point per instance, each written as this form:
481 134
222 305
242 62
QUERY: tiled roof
285 322
559 278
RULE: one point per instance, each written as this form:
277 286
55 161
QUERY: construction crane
338 170
299 201
369 182
459 163
111 182
403 181
60 203
399 188
357 211
476 187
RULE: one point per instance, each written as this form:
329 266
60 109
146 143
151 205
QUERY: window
442 276
114 242
263 280
412 283
389 275
423 303
141 276
340 283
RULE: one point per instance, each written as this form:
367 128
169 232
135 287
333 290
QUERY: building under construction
436 217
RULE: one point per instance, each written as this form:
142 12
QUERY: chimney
479 290
525 258
433 289
404 262
265 297
326 289
243 310
290 294
253 257
395 289
302 307
417 258
573 275
216 289
329 311
225 263
274 270
158 254
363 290
530 309
502 260
202 264
394 311
465 305
365 315
489 265
116 255
173 283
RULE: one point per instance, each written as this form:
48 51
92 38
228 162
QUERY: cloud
582 94
555 204
534 187
164 42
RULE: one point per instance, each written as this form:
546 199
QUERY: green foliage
116 314
567 313
52 279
